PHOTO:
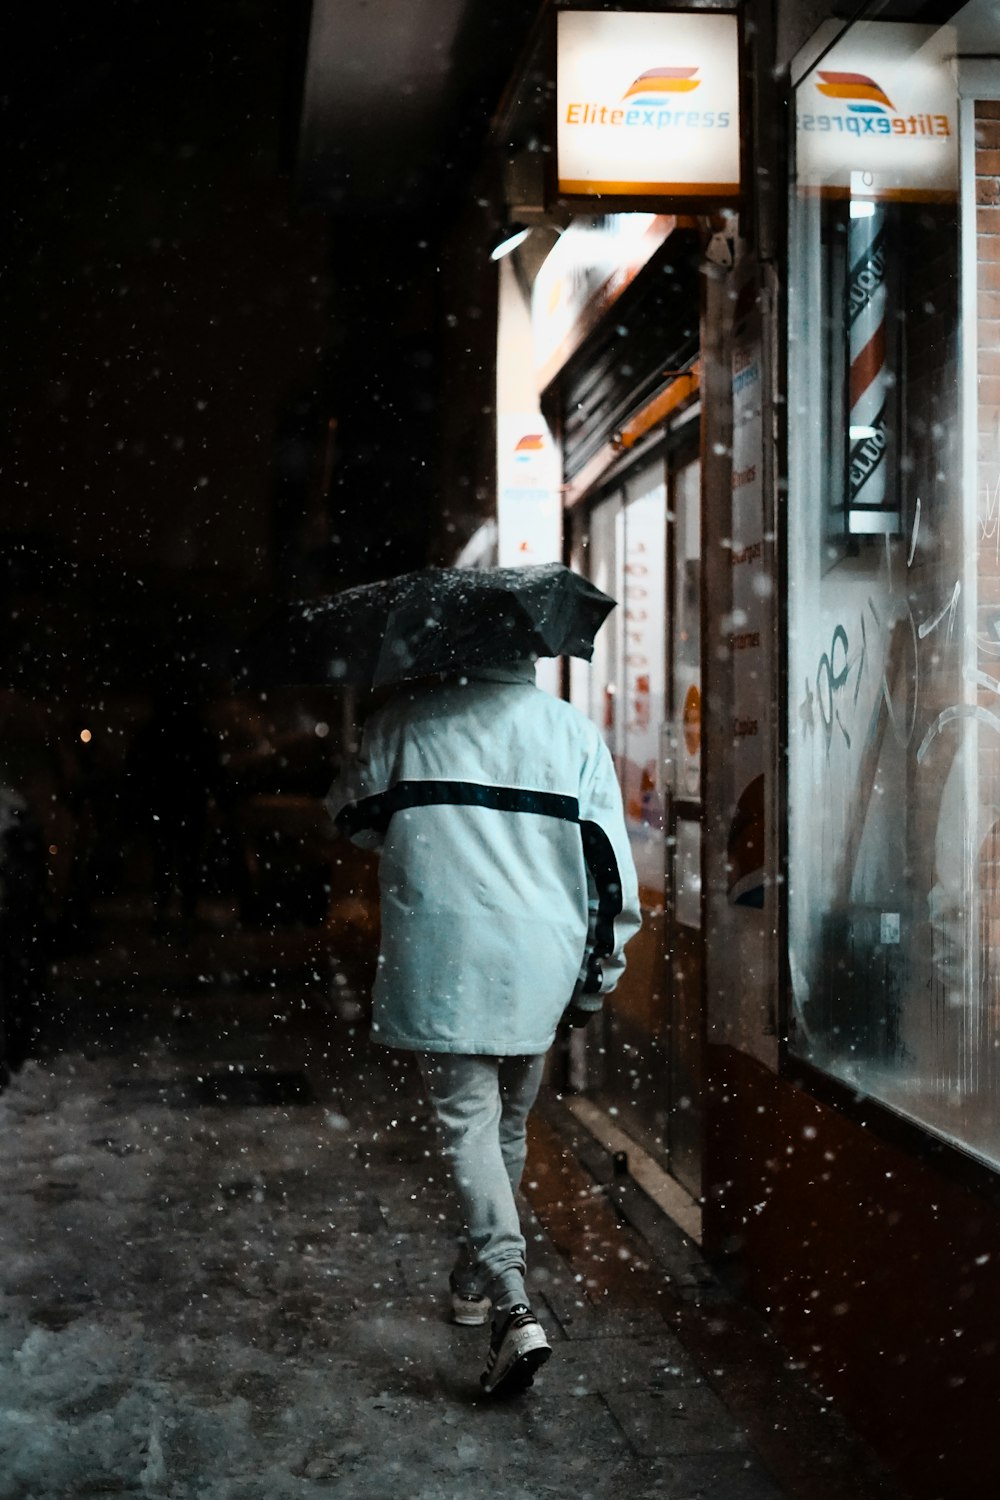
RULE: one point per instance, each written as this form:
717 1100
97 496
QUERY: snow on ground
210 1302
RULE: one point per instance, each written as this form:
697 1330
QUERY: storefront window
686 738
623 689
894 581
642 549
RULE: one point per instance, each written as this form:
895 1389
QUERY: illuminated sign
626 128
879 107
529 506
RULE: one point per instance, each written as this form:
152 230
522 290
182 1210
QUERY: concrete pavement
224 1237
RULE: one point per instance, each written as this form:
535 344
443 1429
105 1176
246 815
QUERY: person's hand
575 1015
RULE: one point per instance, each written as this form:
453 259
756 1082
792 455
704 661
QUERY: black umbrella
436 620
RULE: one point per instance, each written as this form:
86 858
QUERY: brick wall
988 278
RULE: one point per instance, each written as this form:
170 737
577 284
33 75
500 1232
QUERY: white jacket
506 876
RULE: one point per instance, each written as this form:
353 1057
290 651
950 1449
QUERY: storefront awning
649 336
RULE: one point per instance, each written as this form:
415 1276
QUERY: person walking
508 893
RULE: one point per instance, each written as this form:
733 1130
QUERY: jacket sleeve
613 886
355 801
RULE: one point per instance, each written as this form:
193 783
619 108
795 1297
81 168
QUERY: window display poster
641 552
645 544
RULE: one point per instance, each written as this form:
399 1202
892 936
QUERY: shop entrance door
641 542
683 820
620 542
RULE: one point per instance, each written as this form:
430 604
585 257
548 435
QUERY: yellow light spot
86 736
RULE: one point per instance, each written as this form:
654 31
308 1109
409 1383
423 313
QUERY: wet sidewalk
224 1233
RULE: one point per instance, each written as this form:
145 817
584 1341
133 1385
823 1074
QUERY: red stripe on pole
866 366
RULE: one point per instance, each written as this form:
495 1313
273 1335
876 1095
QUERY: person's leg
467 1281
466 1095
520 1079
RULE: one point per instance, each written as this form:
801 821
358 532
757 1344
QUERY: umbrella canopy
435 620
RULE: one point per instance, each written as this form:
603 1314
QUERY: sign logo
650 87
532 442
865 93
877 115
655 99
869 110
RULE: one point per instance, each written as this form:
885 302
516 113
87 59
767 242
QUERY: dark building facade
753 395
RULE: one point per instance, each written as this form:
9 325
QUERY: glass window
623 550
643 554
894 582
686 657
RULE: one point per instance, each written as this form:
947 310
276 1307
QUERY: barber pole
870 505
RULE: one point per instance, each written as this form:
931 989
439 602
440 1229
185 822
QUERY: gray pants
482 1106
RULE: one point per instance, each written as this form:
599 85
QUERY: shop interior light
511 235
862 208
856 434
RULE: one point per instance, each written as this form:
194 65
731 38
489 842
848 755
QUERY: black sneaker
518 1347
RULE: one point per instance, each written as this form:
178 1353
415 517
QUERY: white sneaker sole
470 1312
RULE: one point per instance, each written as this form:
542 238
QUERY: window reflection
894 647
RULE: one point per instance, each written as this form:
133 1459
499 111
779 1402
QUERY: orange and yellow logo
867 110
656 98
861 94
651 86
